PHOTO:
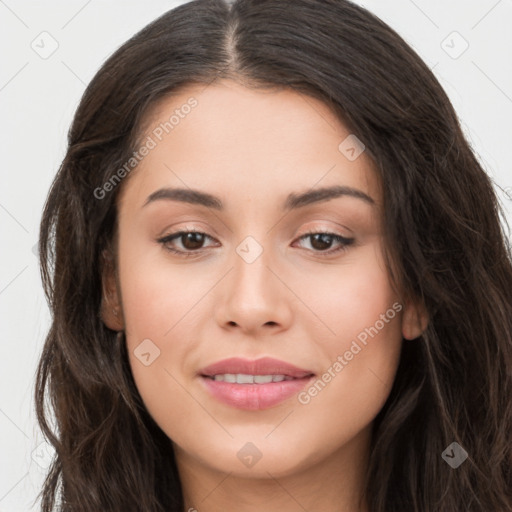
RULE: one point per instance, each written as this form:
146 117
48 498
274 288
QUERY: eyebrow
293 201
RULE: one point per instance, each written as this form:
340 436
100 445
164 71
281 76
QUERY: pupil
324 239
194 238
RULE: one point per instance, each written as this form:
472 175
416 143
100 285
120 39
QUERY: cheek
355 386
157 295
361 347
349 298
158 301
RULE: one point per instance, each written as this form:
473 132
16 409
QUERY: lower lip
253 397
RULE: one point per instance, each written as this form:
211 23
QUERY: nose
254 297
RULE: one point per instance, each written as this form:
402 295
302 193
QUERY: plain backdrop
466 43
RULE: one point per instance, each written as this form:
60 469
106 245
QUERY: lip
254 396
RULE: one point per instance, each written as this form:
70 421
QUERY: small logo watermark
42 455
146 352
45 45
454 455
351 147
249 249
249 454
454 45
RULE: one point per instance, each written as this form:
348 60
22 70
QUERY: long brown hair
445 243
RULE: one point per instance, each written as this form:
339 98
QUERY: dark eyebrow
293 201
324 194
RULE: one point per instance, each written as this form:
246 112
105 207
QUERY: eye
322 240
192 242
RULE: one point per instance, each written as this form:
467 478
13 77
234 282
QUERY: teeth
242 378
263 379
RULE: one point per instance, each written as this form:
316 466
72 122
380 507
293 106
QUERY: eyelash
344 241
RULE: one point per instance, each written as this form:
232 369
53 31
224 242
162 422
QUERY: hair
445 244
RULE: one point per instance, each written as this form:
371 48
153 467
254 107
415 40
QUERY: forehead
247 142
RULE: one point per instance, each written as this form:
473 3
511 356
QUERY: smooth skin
298 301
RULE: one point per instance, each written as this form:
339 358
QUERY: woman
277 274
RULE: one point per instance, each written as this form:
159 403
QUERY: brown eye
190 242
321 242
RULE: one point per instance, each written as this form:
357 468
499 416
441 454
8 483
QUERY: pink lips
253 396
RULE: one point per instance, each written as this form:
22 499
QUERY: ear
111 308
414 320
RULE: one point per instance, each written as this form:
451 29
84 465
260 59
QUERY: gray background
39 93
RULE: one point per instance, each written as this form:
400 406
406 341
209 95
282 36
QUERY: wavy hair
445 240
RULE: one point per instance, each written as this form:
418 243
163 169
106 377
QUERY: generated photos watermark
149 144
316 387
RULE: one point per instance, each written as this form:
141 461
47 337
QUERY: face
256 339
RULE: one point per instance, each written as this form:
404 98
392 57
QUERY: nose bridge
251 277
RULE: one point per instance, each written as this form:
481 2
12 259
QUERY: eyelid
313 227
327 230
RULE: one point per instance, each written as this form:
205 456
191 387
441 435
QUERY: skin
251 148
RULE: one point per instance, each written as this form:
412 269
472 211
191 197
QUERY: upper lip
262 366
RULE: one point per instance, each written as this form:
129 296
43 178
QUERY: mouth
244 378
254 385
